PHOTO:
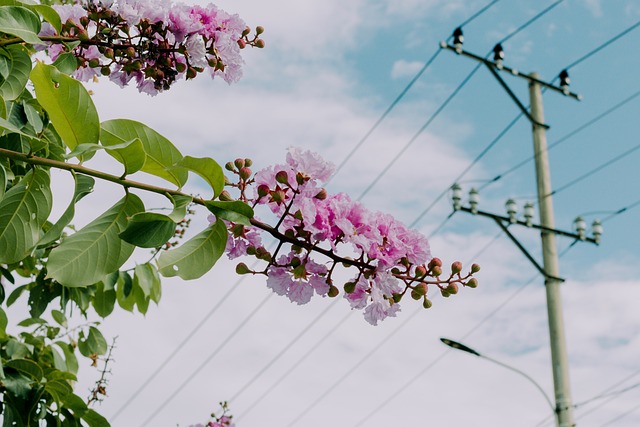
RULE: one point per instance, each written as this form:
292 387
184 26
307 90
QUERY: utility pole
550 267
559 360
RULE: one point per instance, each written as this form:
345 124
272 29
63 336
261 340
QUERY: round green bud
239 163
333 291
475 268
229 166
456 267
397 297
452 288
242 268
435 262
350 287
259 29
472 283
426 303
260 43
282 177
415 294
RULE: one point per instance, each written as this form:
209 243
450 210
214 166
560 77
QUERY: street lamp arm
531 380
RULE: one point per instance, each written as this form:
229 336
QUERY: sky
329 71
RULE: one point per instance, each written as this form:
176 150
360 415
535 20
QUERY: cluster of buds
150 43
390 260
223 420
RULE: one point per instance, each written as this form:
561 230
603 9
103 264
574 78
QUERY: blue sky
328 73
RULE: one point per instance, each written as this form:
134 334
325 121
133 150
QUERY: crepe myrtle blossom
316 232
150 42
223 420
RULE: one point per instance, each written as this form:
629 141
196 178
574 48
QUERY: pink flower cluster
390 259
152 42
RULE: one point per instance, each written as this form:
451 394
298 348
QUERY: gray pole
559 360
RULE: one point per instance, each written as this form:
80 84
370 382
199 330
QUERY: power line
602 46
565 138
621 416
595 170
284 350
298 363
417 134
404 92
179 347
206 361
531 21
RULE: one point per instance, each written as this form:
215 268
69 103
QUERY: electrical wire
564 138
404 92
594 170
417 134
531 21
621 211
621 416
179 347
178 389
602 46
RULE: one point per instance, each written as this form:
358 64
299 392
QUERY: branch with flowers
48 121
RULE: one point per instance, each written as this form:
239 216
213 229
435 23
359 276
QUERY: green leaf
69 105
66 63
196 256
20 22
142 301
94 343
96 245
33 117
75 403
104 300
15 294
145 276
3 181
130 153
208 169
32 321
58 389
235 211
149 230
124 292
84 186
94 419
3 324
49 14
160 154
180 207
26 367
23 211
69 355
60 318
17 63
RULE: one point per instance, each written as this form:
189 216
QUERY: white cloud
403 68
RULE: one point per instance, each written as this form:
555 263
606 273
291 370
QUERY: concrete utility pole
559 360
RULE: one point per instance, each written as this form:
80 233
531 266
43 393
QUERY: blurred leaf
69 355
60 318
20 22
160 154
196 256
208 169
93 419
149 230
23 211
96 245
94 343
26 367
68 104
66 63
15 294
84 186
235 211
49 14
3 181
3 324
180 207
58 389
17 63
124 292
104 300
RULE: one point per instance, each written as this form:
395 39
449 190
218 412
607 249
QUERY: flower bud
105 71
245 173
191 73
229 166
475 268
242 268
225 196
435 262
415 294
421 289
94 63
212 61
260 43
321 195
333 291
472 283
282 177
263 190
397 297
426 303
239 163
242 44
180 67
248 162
259 29
445 293
452 288
350 287
456 267
421 271
251 250
108 53
436 271
246 31
130 51
295 262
